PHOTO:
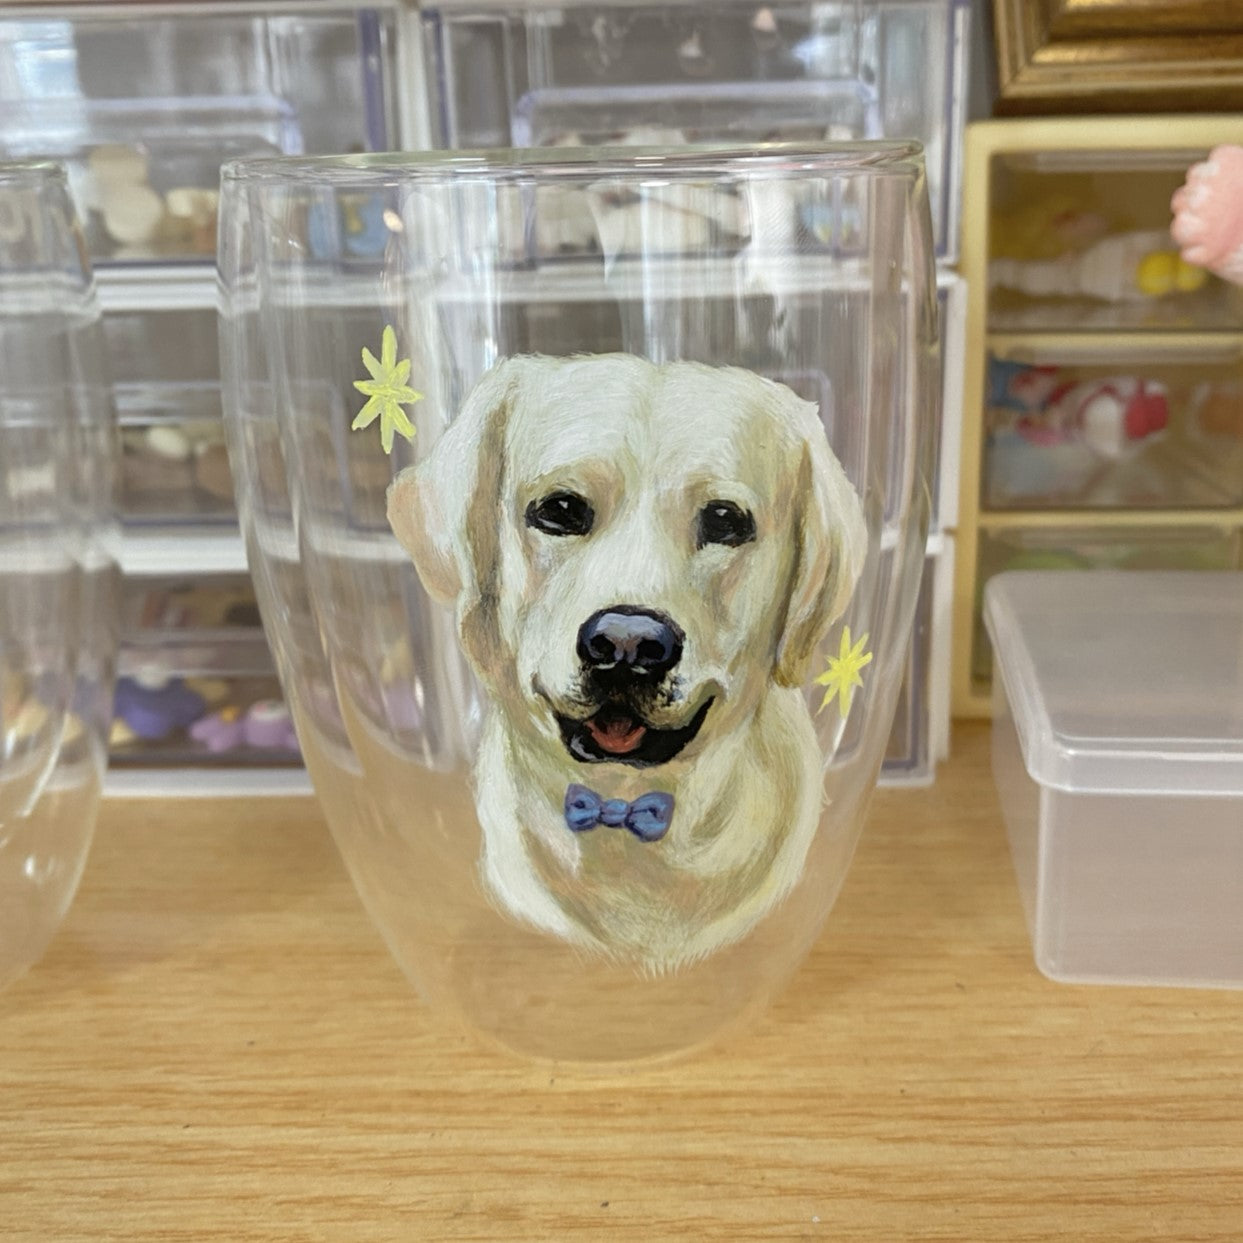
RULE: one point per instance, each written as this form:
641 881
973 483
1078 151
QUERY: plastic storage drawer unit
1118 757
554 73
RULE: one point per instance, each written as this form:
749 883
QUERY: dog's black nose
630 640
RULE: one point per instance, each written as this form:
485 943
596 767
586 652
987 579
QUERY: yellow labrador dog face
637 553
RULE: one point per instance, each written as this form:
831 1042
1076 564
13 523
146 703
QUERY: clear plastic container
1099 423
1118 757
193 698
692 484
166 375
546 74
1082 237
144 103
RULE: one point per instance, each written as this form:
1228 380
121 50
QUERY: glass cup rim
691 161
33 172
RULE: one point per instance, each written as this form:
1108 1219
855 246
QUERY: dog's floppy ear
445 510
830 546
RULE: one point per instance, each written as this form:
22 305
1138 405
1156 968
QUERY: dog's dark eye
723 522
561 513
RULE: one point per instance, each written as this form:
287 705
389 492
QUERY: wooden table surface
218 1046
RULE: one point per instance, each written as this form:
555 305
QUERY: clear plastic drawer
1082 237
199 697
165 369
545 74
144 103
1112 422
189 601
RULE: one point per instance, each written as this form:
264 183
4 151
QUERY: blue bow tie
647 817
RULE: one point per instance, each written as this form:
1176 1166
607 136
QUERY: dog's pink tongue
618 735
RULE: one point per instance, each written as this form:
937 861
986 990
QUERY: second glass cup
58 572
587 507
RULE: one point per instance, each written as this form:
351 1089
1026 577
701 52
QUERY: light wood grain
218 1047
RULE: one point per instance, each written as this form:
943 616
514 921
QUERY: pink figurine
1208 214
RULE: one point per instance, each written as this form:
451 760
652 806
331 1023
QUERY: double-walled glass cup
587 505
58 576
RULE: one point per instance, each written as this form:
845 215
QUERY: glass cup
587 508
58 577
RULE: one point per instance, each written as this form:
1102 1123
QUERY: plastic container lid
1123 681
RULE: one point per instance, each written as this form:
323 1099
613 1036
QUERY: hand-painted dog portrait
643 559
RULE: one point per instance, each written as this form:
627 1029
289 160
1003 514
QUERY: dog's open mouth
615 734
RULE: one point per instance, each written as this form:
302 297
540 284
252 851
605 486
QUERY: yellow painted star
386 392
842 675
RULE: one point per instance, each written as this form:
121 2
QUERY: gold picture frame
1118 55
